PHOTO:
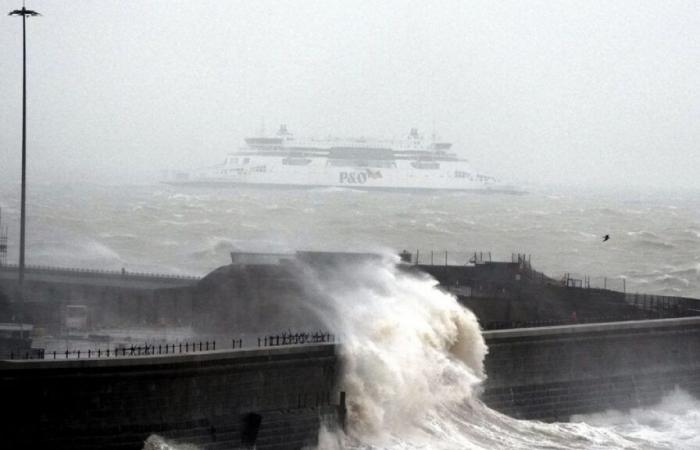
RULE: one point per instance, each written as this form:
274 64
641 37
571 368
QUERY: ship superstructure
286 161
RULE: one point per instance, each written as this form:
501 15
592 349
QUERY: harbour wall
501 294
217 399
273 398
113 298
552 373
548 372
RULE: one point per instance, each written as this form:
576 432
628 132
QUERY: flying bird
606 237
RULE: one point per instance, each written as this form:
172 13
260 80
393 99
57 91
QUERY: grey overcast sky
573 92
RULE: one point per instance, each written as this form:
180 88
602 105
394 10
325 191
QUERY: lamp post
24 12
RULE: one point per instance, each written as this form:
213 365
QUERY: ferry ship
285 161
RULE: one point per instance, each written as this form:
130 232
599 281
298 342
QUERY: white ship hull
278 162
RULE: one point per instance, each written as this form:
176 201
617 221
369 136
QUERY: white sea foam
412 364
673 423
155 442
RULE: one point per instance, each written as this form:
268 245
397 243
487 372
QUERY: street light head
24 12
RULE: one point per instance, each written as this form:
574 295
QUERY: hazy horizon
596 94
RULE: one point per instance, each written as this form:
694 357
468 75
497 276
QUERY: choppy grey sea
654 245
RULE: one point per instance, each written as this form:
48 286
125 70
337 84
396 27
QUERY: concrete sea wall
278 397
551 373
275 398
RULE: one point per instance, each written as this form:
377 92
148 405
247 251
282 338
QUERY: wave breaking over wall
412 368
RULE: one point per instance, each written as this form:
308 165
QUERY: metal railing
100 272
122 351
617 284
444 257
269 340
665 304
295 339
504 325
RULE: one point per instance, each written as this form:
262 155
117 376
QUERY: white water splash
402 339
412 364
673 423
155 442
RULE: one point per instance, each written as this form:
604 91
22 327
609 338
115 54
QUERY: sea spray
402 339
155 442
674 422
412 361
412 364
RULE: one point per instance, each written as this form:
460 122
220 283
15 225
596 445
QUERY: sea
413 356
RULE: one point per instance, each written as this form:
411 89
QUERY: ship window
291 161
425 165
361 153
353 163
